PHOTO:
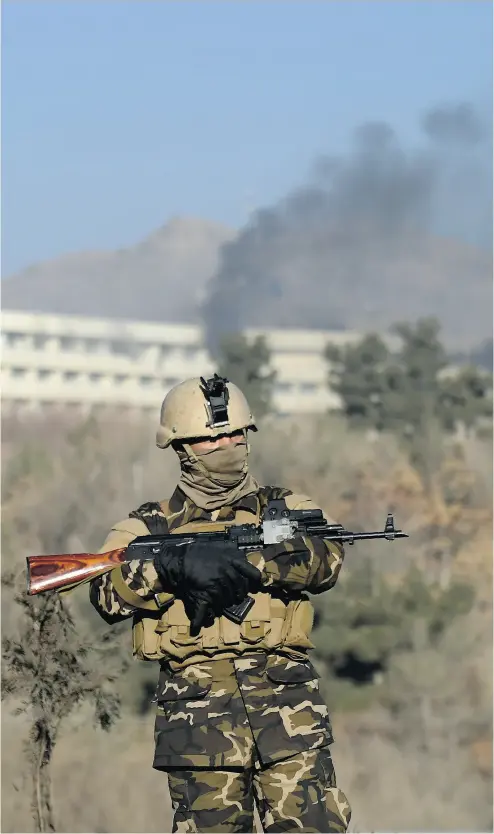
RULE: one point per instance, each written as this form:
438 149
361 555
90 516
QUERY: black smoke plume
382 233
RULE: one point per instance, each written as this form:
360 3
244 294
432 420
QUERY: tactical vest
280 621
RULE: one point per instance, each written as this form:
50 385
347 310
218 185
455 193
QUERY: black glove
208 577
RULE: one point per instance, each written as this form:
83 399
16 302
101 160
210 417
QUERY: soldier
239 713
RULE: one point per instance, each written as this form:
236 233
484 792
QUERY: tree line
401 389
400 641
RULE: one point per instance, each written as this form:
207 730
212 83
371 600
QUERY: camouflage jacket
226 711
316 572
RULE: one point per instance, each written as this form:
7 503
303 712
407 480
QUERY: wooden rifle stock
56 573
53 573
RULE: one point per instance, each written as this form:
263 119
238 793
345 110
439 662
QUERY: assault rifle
58 573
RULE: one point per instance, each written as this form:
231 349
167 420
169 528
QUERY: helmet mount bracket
217 396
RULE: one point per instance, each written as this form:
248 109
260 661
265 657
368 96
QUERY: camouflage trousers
295 794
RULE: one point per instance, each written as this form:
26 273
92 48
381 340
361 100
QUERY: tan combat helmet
203 408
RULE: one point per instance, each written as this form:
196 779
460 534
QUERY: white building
52 360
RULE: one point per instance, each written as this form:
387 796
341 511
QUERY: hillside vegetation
403 642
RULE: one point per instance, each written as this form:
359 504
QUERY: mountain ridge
168 275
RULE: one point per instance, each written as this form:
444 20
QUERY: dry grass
104 782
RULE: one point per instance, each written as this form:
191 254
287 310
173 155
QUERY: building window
121 378
165 351
146 380
95 346
120 347
308 387
95 377
18 372
39 342
44 374
283 387
170 382
67 343
70 376
12 339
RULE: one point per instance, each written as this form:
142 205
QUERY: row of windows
45 374
69 344
20 403
88 344
92 344
76 376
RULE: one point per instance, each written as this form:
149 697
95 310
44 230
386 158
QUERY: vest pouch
257 623
298 624
277 613
146 641
176 627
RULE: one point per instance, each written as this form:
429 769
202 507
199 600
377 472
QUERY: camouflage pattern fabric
231 729
216 714
303 563
297 794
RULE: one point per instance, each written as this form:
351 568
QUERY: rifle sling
130 596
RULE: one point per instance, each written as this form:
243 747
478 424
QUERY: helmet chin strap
245 433
193 457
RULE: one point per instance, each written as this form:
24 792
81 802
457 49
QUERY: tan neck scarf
217 477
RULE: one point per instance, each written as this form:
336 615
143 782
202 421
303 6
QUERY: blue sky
118 115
